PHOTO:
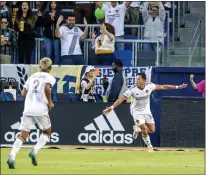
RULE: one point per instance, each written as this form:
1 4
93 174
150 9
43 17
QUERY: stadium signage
11 136
104 133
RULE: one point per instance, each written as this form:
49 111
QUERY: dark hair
19 13
110 28
57 7
118 62
143 75
70 15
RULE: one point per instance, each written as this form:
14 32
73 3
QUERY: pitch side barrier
77 123
182 122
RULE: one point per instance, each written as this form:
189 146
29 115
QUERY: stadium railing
136 46
193 43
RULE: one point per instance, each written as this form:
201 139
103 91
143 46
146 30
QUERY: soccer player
140 106
38 102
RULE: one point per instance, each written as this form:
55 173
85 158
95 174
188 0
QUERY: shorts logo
105 130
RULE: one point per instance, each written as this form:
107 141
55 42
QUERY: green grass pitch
60 161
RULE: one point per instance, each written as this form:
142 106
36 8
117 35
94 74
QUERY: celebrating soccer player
140 106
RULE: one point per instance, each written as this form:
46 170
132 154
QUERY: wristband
177 87
112 107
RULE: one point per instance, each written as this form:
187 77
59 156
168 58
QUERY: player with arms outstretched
140 106
38 102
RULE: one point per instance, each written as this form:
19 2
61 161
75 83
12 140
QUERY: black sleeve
115 88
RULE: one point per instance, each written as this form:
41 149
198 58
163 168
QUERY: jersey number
36 85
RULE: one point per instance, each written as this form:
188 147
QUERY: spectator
14 6
8 42
25 21
154 24
5 11
117 85
115 15
87 87
51 42
132 15
104 45
105 82
69 35
83 9
200 86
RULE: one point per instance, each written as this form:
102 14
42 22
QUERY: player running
140 106
38 102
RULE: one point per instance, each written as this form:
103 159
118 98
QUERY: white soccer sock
16 147
43 139
147 140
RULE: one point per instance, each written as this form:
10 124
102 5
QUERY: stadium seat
125 56
146 58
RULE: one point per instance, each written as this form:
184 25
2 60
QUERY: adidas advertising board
75 124
11 135
103 133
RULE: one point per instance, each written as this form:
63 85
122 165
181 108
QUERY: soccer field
60 161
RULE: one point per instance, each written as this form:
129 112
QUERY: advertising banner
75 124
18 73
67 78
130 74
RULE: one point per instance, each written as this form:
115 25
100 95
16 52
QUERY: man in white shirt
115 15
140 106
38 102
70 36
154 23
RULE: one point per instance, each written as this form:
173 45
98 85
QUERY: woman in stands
104 45
87 87
49 21
25 21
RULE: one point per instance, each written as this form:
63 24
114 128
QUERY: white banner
18 72
130 73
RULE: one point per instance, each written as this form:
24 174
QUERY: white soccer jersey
140 98
70 40
36 101
115 17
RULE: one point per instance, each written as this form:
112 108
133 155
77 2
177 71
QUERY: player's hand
183 86
191 76
108 110
51 105
60 19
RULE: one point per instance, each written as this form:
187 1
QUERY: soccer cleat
11 163
150 149
33 158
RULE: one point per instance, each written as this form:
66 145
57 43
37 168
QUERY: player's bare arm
116 103
170 87
24 92
47 89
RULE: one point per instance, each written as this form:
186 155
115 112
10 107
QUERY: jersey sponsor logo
108 130
11 136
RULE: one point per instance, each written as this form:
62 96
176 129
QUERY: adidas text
11 136
105 137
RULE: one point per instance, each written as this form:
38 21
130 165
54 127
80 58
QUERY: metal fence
136 46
